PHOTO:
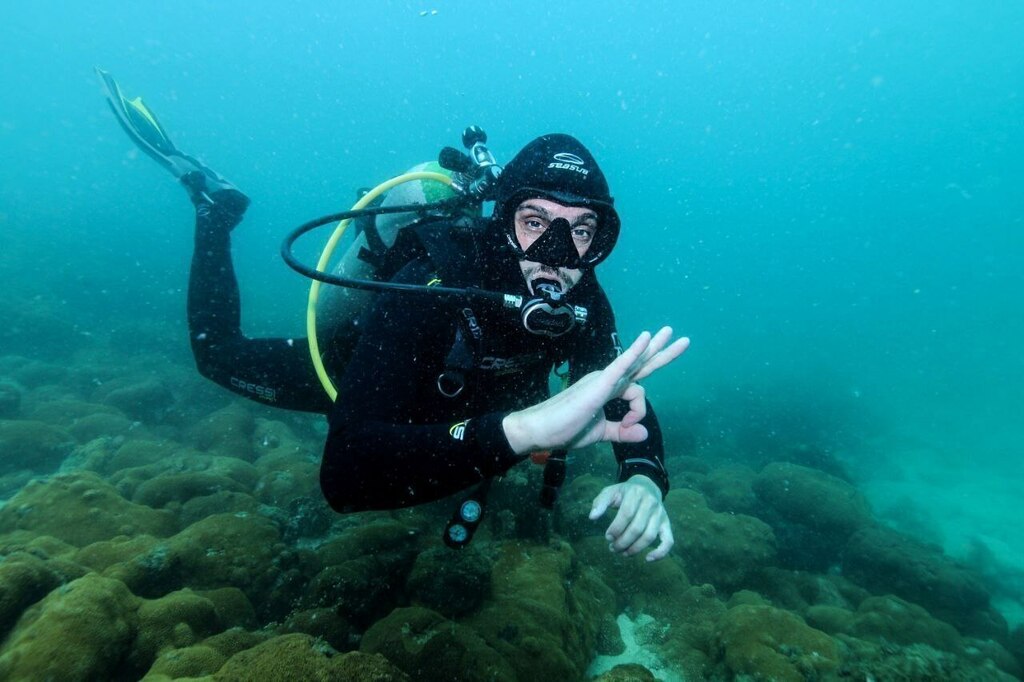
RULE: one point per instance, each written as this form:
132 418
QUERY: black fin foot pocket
224 204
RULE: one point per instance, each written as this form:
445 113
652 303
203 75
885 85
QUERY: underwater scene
824 197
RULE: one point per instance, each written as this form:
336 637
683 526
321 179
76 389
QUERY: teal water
826 198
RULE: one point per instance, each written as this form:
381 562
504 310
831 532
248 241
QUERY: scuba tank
339 308
453 188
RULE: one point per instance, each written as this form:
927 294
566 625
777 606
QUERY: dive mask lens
555 248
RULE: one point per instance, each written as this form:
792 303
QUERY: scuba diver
444 371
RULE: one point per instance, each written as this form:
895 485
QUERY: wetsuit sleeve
273 371
382 450
600 345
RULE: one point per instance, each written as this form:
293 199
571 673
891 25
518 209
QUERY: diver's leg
214 302
273 371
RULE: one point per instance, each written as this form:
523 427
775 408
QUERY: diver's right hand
641 518
575 417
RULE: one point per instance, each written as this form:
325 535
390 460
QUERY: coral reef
157 530
813 498
144 401
300 657
886 561
427 646
812 513
80 508
723 548
730 488
772 644
545 610
452 585
32 445
228 431
10 399
25 579
627 672
80 631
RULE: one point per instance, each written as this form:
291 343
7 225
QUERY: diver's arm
383 465
598 346
272 371
573 418
646 458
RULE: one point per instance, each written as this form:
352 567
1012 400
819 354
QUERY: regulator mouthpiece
548 313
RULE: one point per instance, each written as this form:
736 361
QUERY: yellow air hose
325 258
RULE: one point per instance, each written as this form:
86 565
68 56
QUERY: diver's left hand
641 518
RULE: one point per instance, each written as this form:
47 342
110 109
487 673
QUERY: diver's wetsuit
273 371
395 440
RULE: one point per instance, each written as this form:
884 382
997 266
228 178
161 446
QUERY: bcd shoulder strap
451 245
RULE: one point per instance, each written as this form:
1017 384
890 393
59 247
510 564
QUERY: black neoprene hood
558 167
